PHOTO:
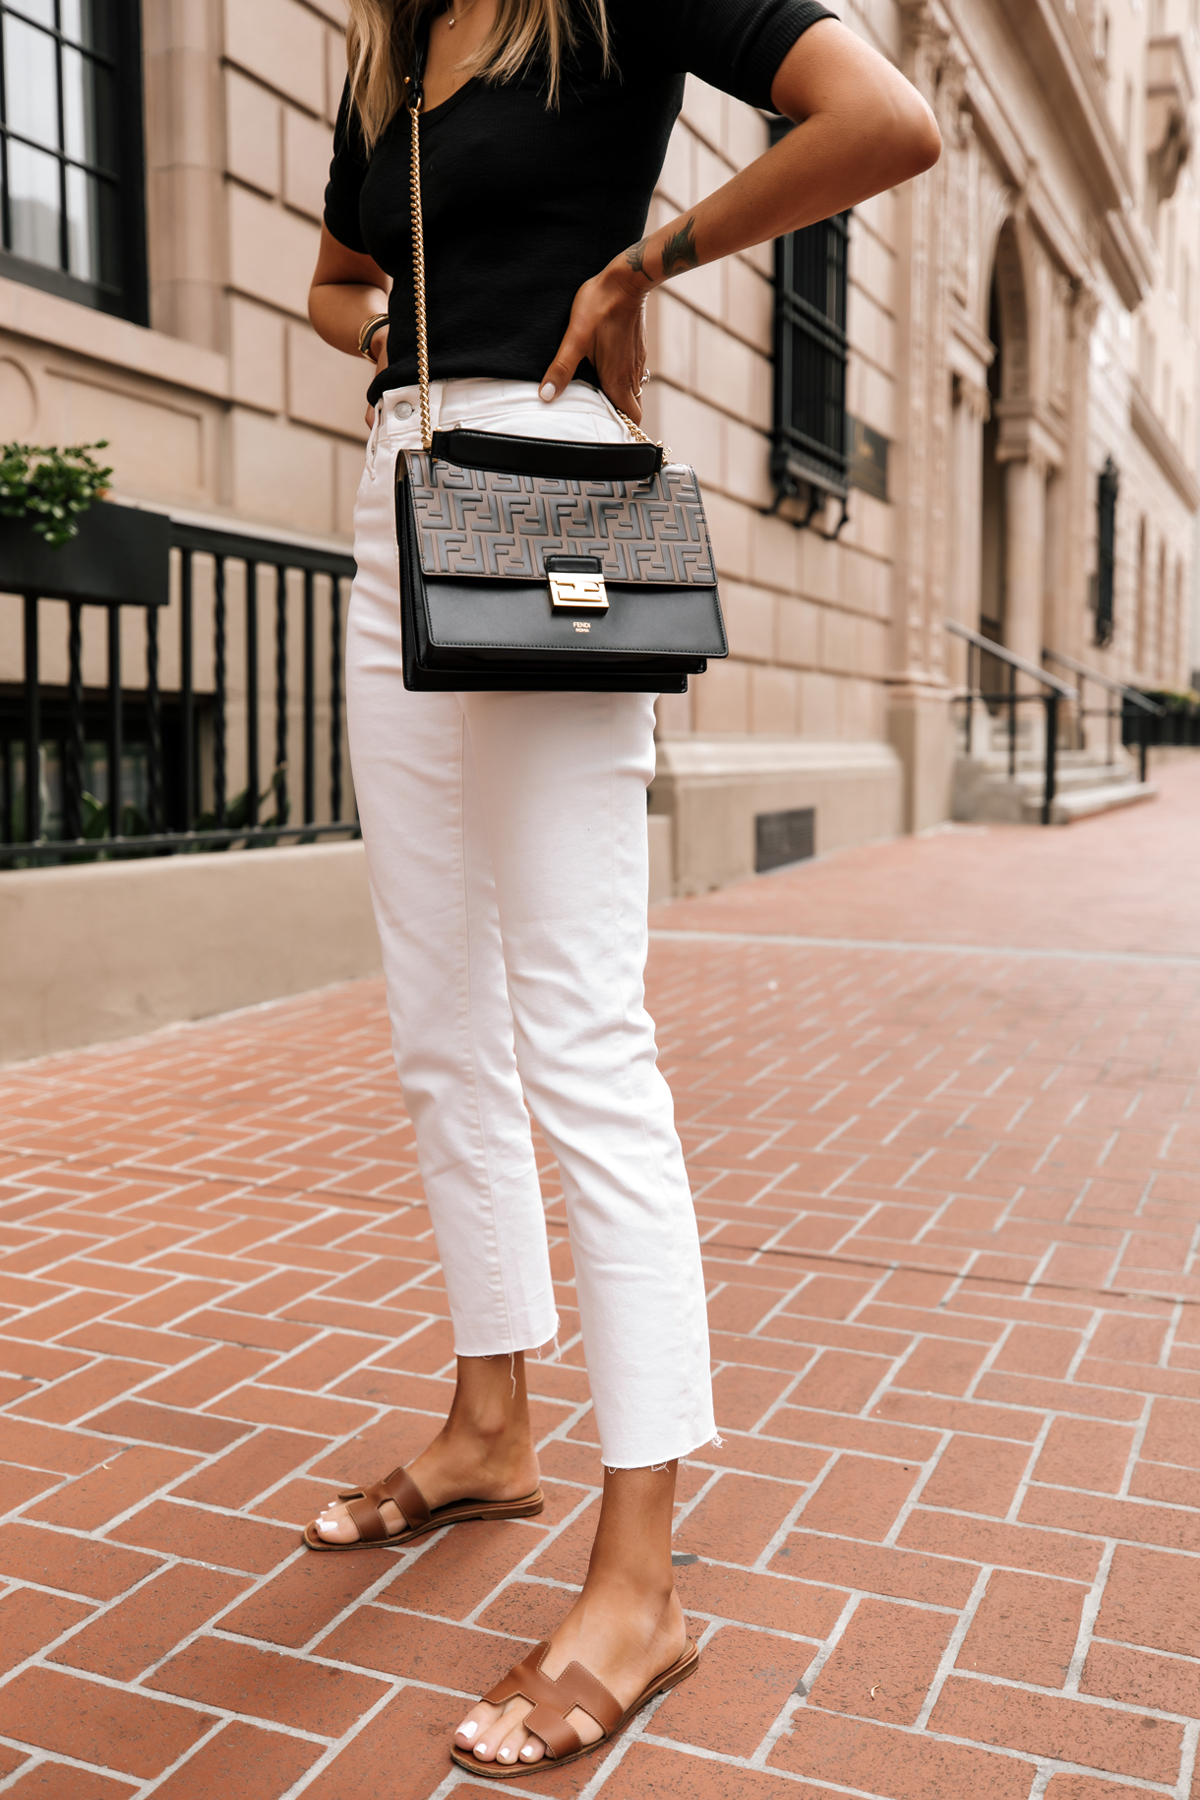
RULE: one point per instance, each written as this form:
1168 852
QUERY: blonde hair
381 46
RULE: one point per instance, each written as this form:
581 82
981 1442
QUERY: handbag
539 564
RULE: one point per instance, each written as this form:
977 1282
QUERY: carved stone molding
1029 433
951 97
1169 96
974 396
1084 309
926 35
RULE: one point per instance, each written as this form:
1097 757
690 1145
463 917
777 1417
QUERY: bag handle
418 237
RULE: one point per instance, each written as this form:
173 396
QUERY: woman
506 833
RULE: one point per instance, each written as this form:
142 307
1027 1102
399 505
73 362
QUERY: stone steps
985 792
1085 802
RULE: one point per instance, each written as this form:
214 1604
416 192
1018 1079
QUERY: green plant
237 810
134 823
51 487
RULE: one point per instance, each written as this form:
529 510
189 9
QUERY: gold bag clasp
576 590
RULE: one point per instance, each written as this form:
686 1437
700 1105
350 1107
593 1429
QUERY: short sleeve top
522 202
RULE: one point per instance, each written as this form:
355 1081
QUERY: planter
121 554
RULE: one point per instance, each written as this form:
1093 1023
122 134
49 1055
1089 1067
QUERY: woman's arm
347 290
861 127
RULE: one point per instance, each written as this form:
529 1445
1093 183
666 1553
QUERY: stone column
185 158
972 408
919 724
1071 620
1025 557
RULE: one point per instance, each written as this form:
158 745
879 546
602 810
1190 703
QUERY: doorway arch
1012 537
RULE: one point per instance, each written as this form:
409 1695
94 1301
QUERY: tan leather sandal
419 1520
552 1700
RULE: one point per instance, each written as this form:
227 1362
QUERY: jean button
404 410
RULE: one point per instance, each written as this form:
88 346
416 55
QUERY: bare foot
484 1451
623 1636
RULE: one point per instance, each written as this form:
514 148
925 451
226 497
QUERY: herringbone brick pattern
950 1545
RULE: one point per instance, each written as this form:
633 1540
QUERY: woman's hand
608 326
379 352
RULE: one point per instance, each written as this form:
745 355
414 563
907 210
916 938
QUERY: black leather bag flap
502 454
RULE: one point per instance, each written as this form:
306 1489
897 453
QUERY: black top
522 203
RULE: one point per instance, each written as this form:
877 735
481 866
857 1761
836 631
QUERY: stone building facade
1019 319
1051 259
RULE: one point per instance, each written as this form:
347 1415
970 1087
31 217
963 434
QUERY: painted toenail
480 1749
505 1754
467 1731
529 1750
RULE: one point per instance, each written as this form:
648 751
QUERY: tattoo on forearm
679 252
635 256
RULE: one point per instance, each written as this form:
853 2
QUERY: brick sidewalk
950 1549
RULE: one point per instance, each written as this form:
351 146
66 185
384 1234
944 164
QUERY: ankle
488 1439
645 1591
495 1428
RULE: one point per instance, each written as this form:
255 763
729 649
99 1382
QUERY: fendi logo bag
530 563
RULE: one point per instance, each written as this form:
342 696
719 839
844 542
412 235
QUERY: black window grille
72 217
1107 485
810 437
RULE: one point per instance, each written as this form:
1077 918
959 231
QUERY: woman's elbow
918 142
322 312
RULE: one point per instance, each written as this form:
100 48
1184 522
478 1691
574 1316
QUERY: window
1106 543
809 439
71 214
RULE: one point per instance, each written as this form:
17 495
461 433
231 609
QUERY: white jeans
506 843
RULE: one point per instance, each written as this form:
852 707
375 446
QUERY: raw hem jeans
506 843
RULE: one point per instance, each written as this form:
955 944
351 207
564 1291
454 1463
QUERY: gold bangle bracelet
376 321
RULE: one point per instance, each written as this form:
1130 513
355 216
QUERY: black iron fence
201 709
1009 698
1128 716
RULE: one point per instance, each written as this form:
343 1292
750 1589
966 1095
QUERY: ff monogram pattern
474 522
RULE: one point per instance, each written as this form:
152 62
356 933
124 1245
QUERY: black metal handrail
226 821
1053 692
1116 690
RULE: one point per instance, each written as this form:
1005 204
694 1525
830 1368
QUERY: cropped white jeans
506 843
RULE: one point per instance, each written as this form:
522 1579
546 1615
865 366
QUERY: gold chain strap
418 231
636 432
418 236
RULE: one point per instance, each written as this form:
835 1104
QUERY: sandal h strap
402 1490
553 1699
